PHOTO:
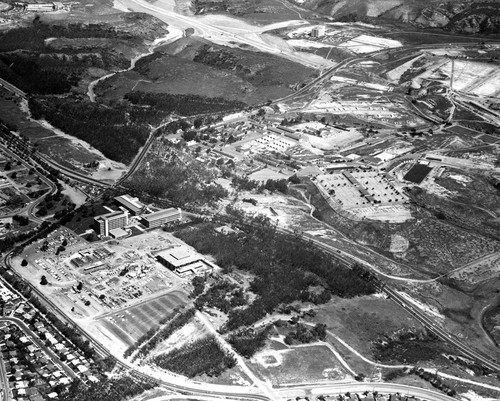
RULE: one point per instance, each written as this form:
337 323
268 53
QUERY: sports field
128 325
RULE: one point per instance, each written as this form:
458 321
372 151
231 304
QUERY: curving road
357 387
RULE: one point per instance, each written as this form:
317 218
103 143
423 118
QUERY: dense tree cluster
305 335
154 336
184 105
222 295
42 69
245 184
220 58
248 342
28 73
109 389
198 283
33 37
203 356
286 268
179 183
409 347
105 128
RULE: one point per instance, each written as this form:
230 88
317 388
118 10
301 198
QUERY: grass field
314 363
130 324
192 66
359 321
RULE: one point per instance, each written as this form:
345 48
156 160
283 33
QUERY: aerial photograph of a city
250 200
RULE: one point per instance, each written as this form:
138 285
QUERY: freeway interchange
234 392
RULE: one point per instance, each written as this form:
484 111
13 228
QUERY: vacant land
435 246
130 324
294 365
194 66
362 320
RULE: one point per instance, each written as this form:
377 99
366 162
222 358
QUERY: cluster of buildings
38 362
132 211
91 256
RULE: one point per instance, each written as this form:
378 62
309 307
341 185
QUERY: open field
300 364
193 66
128 325
360 321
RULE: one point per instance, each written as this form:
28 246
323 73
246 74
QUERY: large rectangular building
183 261
110 221
157 219
133 205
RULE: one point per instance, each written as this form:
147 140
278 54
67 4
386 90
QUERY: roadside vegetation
203 356
154 336
111 389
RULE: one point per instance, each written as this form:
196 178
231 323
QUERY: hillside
193 66
462 16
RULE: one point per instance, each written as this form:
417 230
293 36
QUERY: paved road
207 30
6 393
39 343
357 387
52 187
13 89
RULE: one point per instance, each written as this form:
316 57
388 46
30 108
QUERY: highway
417 313
242 392
359 387
52 187
13 89
207 31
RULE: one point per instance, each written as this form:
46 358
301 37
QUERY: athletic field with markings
129 324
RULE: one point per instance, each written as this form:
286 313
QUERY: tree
24 262
79 286
189 136
197 123
43 281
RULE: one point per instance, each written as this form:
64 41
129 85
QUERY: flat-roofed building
156 219
183 261
40 7
133 205
105 223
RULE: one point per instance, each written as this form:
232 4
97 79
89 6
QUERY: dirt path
172 36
